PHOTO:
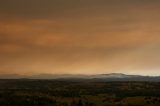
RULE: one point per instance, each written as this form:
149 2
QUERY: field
71 92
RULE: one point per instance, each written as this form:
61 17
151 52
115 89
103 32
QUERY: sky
80 37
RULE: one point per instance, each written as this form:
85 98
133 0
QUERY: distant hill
12 76
96 77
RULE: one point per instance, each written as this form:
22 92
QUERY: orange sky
80 36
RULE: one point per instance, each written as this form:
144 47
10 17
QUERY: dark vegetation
25 92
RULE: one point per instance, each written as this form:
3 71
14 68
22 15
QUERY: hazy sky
80 36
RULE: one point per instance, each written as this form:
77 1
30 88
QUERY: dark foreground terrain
25 92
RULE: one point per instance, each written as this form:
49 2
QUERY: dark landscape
106 91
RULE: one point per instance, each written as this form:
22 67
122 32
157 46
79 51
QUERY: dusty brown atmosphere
80 36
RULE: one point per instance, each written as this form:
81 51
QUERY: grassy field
24 92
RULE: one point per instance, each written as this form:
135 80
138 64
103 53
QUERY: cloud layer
86 36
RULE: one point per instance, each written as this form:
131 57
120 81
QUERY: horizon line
78 74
